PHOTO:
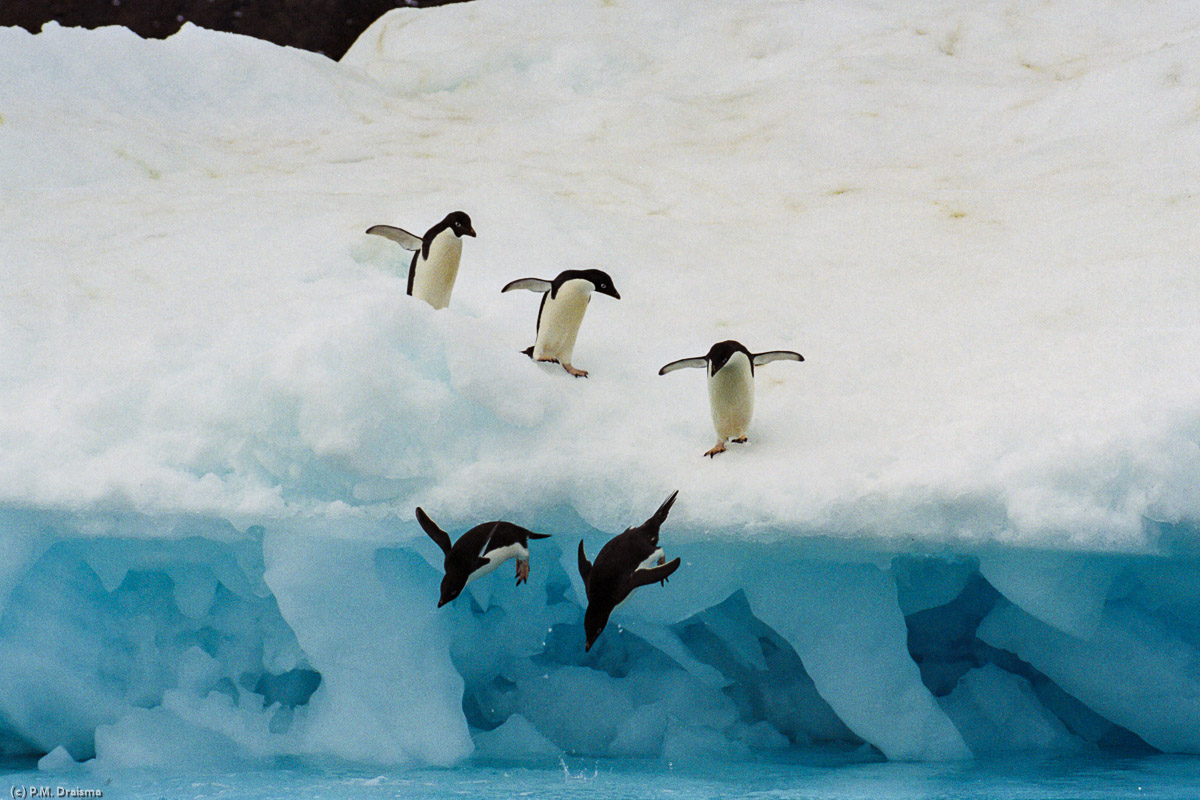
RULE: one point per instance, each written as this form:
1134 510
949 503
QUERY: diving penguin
564 300
731 386
479 551
629 560
435 258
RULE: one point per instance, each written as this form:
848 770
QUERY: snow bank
966 524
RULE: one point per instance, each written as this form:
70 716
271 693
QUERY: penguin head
452 586
458 572
460 223
594 621
720 353
602 282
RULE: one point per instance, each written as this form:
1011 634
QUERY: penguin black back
620 567
477 549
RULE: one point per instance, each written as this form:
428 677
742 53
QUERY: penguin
564 300
479 551
731 386
629 560
435 258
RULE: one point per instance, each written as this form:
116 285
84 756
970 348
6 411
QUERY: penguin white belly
731 397
561 317
653 560
498 556
435 276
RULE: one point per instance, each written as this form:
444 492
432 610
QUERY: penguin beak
470 231
612 292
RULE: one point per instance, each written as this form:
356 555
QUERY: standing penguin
564 300
731 386
629 560
435 258
479 551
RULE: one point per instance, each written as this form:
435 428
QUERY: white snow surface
218 408
975 222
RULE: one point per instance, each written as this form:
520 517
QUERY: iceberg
968 526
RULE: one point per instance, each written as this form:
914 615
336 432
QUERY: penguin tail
528 351
585 566
439 536
660 516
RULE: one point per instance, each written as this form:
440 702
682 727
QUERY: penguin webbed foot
522 572
740 440
661 561
719 448
578 373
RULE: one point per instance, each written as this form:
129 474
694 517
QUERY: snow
966 524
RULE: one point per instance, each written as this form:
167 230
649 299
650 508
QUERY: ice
366 622
997 711
60 622
845 624
1135 671
130 647
925 583
559 700
966 524
155 738
766 678
698 744
1061 589
57 760
515 739
765 737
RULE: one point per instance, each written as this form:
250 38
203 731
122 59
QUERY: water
808 777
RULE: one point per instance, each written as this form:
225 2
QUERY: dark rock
323 26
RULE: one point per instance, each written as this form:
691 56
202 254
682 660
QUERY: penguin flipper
645 577
776 355
585 566
398 235
683 363
439 536
532 284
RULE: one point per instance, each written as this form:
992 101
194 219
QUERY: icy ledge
218 645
